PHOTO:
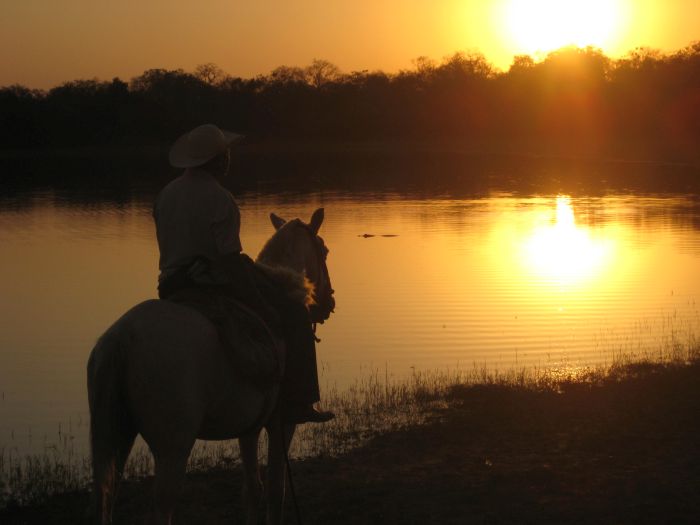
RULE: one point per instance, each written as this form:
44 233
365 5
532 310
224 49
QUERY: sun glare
562 252
544 25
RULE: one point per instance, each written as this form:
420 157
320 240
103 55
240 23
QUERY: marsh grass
29 478
375 404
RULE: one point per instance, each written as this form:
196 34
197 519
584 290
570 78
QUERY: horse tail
112 431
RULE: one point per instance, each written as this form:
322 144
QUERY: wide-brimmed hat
200 145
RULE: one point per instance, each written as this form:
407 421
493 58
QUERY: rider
198 226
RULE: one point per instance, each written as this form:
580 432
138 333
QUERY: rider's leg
300 388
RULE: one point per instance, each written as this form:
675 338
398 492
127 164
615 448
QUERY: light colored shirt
196 217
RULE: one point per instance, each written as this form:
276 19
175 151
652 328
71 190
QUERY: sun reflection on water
563 252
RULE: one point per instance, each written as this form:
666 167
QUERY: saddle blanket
255 351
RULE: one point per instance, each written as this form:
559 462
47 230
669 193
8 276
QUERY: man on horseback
198 226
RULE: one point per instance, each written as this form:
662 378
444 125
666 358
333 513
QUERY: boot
306 414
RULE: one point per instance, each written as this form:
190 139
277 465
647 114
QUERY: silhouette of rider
198 227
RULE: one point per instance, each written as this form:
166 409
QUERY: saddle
251 345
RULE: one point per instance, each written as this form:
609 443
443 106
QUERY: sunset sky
46 42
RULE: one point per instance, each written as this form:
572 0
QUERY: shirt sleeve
227 230
154 209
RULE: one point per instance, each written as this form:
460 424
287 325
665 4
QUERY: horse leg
279 439
169 476
104 484
252 489
125 443
108 460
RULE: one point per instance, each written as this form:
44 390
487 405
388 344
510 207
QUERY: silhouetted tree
209 73
575 100
321 72
521 64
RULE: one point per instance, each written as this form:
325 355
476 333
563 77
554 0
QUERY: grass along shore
607 444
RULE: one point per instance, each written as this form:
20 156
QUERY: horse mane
297 286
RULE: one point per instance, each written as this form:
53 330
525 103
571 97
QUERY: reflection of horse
160 371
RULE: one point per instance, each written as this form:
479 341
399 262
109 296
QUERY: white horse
160 371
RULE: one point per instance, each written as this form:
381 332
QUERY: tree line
573 97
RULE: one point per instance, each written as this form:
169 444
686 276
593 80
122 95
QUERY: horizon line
537 56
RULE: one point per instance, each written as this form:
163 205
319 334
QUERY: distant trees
575 99
20 117
288 75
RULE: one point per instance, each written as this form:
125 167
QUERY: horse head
298 246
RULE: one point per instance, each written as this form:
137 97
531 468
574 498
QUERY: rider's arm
226 231
226 226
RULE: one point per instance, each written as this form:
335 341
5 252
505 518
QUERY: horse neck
279 251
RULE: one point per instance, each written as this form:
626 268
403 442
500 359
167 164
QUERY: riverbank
613 446
470 147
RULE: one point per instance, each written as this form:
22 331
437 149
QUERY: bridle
324 306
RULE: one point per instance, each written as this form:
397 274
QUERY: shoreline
354 166
617 446
460 147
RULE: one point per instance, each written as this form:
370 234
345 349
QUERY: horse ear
316 220
277 222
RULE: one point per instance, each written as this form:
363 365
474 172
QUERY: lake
439 278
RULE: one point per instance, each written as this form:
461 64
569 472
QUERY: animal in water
161 371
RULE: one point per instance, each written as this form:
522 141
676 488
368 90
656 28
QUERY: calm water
499 280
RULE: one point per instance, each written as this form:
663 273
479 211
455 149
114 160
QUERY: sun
544 25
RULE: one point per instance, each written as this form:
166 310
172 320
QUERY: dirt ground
622 450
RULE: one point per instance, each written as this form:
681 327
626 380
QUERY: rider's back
195 217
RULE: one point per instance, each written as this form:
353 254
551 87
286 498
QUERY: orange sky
46 42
